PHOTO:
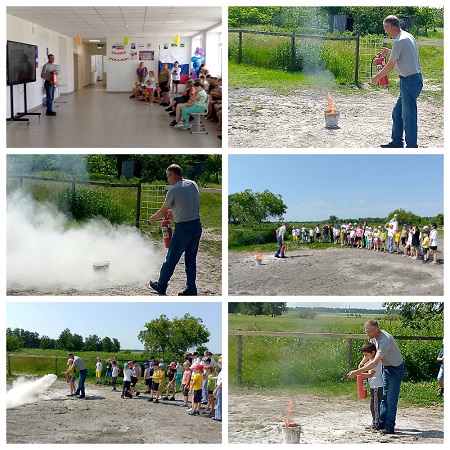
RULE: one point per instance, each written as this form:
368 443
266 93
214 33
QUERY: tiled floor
93 118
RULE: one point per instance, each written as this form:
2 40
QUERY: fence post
292 51
56 365
239 361
138 206
9 365
240 48
357 60
73 192
350 354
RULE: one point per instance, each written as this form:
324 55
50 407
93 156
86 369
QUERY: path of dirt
209 282
104 418
333 271
255 418
259 117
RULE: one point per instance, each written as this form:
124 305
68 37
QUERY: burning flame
258 256
288 422
331 105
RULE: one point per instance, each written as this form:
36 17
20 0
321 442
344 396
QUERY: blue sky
118 320
314 187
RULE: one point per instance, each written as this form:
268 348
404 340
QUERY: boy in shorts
185 383
157 382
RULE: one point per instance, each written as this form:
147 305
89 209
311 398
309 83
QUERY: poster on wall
146 55
133 46
118 53
141 46
133 55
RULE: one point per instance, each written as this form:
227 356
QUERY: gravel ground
260 118
104 418
333 271
255 418
209 281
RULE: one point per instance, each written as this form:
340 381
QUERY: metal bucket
101 267
291 435
258 262
331 120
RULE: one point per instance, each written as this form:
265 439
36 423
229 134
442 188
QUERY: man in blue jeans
47 70
78 364
393 371
183 204
404 55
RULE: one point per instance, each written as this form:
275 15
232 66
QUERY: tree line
301 19
95 167
255 208
18 339
272 309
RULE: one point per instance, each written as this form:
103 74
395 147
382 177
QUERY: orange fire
288 422
258 256
331 105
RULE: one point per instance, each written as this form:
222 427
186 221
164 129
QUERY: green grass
412 394
321 364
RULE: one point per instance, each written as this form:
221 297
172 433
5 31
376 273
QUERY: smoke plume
43 251
26 391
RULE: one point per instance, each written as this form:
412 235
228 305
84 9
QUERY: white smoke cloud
43 251
28 391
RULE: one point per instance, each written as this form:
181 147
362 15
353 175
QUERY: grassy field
320 366
40 362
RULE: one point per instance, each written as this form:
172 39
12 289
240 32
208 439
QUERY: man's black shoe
168 109
391 145
172 114
188 292
157 287
387 431
50 113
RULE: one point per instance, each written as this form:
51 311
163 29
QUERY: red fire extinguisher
53 79
362 390
167 232
380 62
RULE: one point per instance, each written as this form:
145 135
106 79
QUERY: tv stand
19 117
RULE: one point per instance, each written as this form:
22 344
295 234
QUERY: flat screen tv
20 63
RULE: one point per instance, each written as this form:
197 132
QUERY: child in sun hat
196 389
98 371
71 379
126 380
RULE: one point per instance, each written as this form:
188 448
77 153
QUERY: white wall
121 75
23 31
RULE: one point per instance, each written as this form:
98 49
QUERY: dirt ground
104 418
260 118
333 271
255 418
209 280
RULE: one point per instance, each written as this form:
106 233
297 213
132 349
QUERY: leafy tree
77 342
255 207
201 349
107 345
47 343
250 308
233 307
92 343
14 343
273 308
175 336
427 316
65 340
115 346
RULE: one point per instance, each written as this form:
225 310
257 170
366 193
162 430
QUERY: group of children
410 240
200 379
202 94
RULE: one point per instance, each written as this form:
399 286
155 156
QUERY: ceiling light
94 40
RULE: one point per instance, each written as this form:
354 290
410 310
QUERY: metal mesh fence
152 198
369 47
